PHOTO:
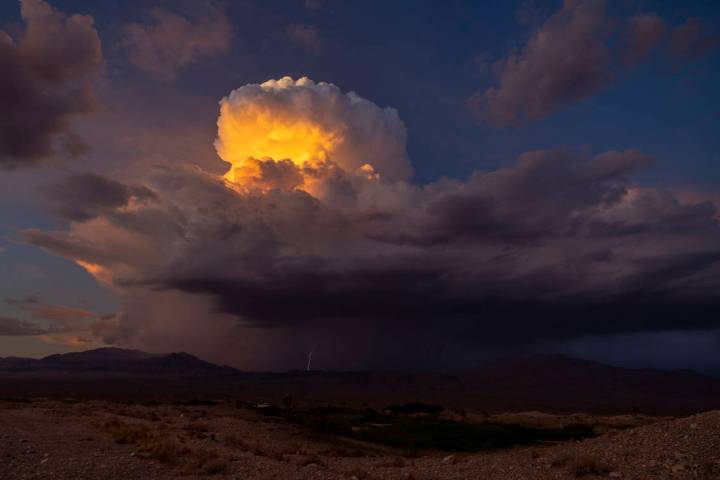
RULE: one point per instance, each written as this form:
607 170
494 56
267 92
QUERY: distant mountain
550 383
115 361
562 382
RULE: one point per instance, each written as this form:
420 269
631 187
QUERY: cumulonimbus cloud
46 81
333 244
308 122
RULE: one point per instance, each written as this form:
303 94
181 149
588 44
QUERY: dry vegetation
229 441
161 445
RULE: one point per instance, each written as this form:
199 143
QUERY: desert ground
98 439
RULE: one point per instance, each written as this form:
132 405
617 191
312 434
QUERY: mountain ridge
112 360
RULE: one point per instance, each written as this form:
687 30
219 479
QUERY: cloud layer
53 323
46 81
576 52
288 255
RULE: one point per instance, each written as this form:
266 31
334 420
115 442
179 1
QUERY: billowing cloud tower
310 124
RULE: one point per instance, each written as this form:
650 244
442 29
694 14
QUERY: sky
392 185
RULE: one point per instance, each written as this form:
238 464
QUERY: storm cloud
47 80
342 253
318 239
82 196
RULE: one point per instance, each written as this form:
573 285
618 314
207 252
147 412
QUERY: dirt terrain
107 440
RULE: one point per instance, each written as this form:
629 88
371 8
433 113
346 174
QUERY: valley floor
105 440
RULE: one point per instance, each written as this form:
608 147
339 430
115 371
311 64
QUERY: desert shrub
707 468
586 464
215 467
337 452
123 432
358 474
261 451
311 460
395 462
140 413
164 450
234 441
196 427
150 444
414 408
198 402
577 431
561 460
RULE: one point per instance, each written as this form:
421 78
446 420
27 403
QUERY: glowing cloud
309 124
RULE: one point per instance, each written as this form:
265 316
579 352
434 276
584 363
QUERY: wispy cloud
173 42
306 36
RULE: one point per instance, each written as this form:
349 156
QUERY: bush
311 460
123 432
414 408
215 467
150 444
586 464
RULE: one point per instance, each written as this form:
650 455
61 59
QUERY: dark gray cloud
576 52
59 314
57 323
13 327
82 196
566 59
548 193
46 81
554 246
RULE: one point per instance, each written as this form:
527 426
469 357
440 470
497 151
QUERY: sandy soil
104 440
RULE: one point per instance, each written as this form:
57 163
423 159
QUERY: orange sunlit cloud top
259 131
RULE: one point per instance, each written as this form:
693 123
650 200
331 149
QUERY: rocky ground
105 440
